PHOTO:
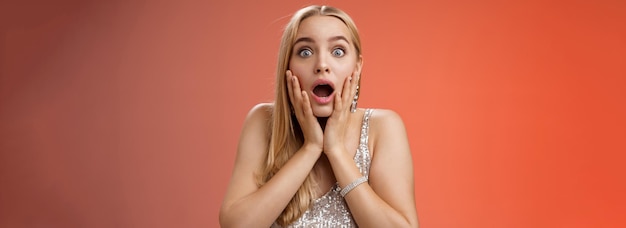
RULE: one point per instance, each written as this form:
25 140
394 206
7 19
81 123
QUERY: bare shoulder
261 110
387 127
256 129
259 116
385 120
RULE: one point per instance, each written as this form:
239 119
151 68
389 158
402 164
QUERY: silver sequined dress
331 210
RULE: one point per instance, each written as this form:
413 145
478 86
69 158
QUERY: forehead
320 27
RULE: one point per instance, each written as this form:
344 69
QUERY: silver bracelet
353 185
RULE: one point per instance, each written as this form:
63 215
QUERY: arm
388 199
245 204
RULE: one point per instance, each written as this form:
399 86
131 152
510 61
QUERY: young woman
311 158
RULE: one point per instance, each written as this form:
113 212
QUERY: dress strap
365 127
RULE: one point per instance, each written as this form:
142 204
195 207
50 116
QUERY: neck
322 121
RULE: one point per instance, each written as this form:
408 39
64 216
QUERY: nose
320 69
321 65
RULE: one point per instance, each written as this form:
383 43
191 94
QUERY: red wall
127 113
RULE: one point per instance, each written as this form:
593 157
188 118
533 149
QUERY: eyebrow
310 40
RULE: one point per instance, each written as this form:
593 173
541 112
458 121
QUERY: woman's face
323 57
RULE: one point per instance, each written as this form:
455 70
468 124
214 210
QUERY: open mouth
323 90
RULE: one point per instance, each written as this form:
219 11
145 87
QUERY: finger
306 104
347 91
297 92
354 85
307 109
338 103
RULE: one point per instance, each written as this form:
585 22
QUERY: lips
322 91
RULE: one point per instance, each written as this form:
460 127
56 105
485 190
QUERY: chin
325 111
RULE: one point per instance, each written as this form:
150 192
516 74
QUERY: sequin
331 209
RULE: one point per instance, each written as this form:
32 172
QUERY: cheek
345 65
297 68
344 71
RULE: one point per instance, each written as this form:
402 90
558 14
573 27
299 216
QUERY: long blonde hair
286 136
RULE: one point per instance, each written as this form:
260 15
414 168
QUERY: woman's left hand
337 124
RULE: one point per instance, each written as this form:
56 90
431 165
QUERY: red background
127 113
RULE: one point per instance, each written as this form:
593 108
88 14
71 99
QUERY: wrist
335 151
345 190
312 148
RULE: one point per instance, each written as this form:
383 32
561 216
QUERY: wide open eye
305 53
338 52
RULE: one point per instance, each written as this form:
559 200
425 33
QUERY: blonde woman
312 158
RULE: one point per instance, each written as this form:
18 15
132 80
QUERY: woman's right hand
313 134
